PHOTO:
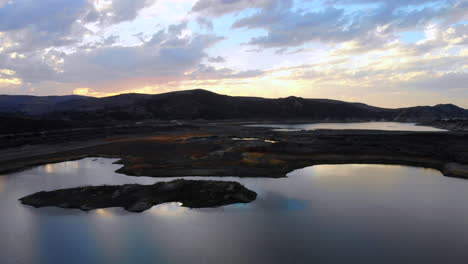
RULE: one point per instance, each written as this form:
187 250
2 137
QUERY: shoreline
210 150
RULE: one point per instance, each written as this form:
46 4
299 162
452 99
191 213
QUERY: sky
389 53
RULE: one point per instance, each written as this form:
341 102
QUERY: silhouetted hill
430 113
202 104
93 104
33 105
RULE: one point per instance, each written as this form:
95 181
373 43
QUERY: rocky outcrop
139 198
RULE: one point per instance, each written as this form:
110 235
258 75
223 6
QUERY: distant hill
430 113
33 105
202 104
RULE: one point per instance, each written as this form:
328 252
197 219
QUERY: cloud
338 21
382 72
203 72
30 25
26 25
287 29
57 17
47 45
117 11
221 7
329 48
167 54
217 59
205 23
447 82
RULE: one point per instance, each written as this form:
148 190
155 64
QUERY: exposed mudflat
230 149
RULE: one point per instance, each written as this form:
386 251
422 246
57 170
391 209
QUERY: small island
138 198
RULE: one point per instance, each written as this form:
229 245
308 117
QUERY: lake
320 214
389 126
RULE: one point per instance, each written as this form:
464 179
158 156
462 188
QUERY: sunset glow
386 53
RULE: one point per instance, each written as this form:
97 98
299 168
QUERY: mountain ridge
203 104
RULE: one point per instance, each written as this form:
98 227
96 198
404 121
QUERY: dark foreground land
231 149
139 198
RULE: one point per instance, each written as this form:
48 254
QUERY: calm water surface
392 126
321 214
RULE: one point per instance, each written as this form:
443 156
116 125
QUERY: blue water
321 214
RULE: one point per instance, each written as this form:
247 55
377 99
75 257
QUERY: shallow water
321 214
389 126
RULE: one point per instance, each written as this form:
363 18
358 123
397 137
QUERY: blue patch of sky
222 26
193 26
463 22
410 37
